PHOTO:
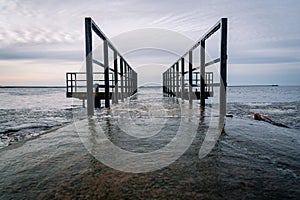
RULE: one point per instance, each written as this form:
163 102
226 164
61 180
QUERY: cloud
41 53
260 32
34 72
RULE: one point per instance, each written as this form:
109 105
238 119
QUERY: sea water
281 104
27 112
251 159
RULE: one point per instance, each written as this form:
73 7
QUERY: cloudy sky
41 40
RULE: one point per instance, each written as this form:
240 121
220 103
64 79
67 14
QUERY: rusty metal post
173 81
182 79
169 82
126 79
223 67
190 77
135 82
163 77
97 99
202 73
122 78
106 75
89 66
129 82
177 80
116 95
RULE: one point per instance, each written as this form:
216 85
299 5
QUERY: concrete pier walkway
251 160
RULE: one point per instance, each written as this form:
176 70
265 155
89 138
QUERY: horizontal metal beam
98 31
209 33
98 63
212 62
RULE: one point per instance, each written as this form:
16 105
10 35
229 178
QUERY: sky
42 40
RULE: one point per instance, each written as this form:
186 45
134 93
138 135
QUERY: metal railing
125 78
174 82
76 86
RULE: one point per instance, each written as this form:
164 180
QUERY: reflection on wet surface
251 160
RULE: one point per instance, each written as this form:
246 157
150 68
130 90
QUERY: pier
114 83
118 80
195 83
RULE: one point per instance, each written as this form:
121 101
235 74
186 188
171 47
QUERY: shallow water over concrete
251 160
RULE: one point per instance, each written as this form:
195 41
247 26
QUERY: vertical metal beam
75 76
171 81
116 96
190 77
177 80
182 78
135 82
129 81
202 73
174 81
171 86
122 78
163 77
106 75
166 76
165 82
168 82
89 66
72 83
223 67
97 99
67 82
126 79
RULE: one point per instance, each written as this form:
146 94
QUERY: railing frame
168 81
125 70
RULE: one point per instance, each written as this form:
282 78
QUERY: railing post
129 81
122 78
116 95
170 82
173 81
89 66
97 99
72 83
126 79
163 76
223 67
190 76
166 78
135 83
182 79
75 77
202 73
106 75
177 80
67 82
166 81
